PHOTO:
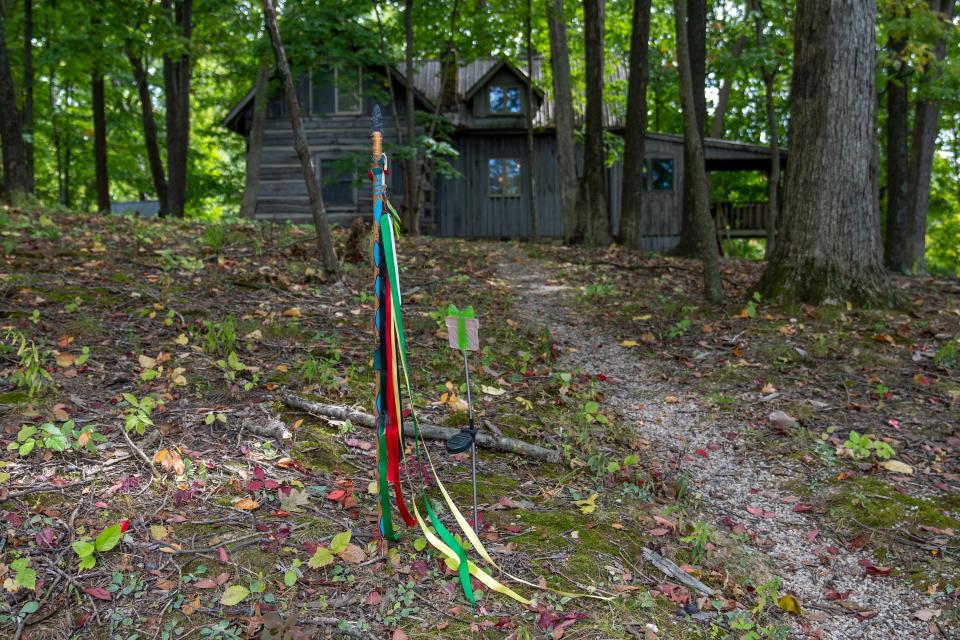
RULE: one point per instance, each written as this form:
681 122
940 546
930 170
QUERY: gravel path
722 471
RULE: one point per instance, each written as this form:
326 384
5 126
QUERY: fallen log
428 431
670 568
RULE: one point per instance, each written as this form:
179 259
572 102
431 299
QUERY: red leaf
337 495
373 597
124 525
703 452
223 555
660 531
812 535
205 583
802 507
98 592
758 511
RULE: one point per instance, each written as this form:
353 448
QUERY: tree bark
412 219
16 167
773 174
693 144
102 177
176 81
261 91
324 239
696 24
593 187
828 250
531 178
631 199
563 114
925 128
149 129
28 89
898 127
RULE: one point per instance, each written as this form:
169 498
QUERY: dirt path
722 472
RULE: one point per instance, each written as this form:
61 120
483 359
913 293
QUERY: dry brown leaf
246 504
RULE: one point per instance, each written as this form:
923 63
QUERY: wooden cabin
485 106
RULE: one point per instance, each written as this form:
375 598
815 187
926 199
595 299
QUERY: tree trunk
773 174
696 24
593 186
898 128
255 145
412 219
531 178
925 128
28 89
723 97
16 167
100 142
176 81
693 144
149 129
324 239
828 250
631 199
563 114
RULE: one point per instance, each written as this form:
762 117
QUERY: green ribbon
462 317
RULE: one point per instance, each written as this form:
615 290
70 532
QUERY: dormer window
504 100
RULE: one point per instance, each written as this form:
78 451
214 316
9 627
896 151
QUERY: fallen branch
427 431
670 568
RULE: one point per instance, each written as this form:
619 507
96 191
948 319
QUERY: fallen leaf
492 391
292 312
353 554
895 466
170 461
158 532
234 594
790 604
98 592
782 420
629 343
182 340
147 362
927 614
246 504
589 505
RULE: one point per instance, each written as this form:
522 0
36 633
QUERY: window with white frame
505 100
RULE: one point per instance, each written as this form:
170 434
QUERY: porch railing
740 219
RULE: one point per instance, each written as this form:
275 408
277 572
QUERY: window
503 177
504 100
661 174
336 90
337 184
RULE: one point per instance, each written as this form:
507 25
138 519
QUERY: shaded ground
660 408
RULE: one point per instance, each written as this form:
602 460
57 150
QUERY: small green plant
85 548
862 446
949 354
699 539
220 337
597 291
679 329
30 374
24 575
753 303
138 413
214 237
232 367
50 436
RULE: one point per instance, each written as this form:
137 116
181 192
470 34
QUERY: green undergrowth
874 503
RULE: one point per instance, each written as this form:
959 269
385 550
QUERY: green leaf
320 558
31 607
25 433
57 442
27 578
131 399
84 548
289 577
234 594
108 538
591 407
26 448
20 564
340 542
87 562
420 544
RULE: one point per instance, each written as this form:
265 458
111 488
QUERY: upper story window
503 176
504 100
336 90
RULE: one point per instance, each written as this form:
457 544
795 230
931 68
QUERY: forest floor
729 440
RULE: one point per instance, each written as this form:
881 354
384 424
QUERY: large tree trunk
828 251
631 199
531 181
176 82
563 114
898 127
16 165
693 144
925 128
255 143
324 239
696 11
28 88
149 129
593 188
411 200
102 177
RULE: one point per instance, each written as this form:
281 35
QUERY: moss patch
875 503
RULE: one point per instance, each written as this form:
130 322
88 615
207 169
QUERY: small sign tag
470 341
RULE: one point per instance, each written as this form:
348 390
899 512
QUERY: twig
427 431
670 568
137 450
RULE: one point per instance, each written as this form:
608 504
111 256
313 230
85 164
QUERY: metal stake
473 446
